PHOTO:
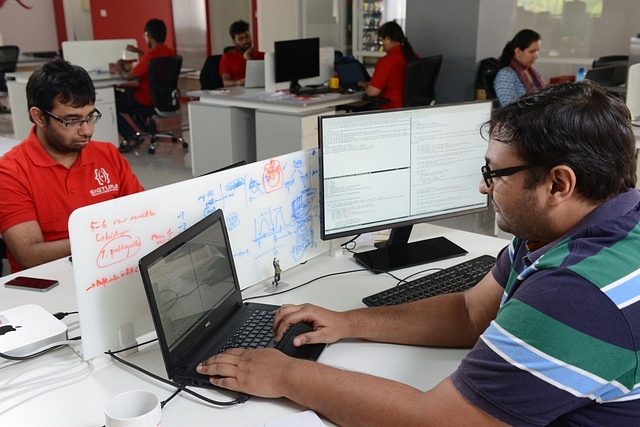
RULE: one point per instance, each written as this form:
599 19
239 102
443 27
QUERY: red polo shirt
142 93
389 76
233 63
34 187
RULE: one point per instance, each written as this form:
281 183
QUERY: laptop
254 74
350 73
196 304
601 75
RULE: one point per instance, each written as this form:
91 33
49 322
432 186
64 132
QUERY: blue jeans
125 102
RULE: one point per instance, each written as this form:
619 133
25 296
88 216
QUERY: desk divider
271 210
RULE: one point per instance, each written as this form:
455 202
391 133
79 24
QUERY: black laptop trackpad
309 352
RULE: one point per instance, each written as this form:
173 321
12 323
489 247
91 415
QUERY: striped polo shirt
564 348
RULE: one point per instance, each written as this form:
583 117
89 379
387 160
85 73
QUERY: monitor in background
393 169
295 60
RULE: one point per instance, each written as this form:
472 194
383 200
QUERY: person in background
128 97
233 64
555 325
517 75
58 168
390 71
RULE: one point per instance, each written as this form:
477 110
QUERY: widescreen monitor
396 168
295 60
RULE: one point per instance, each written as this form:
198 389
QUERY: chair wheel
185 145
151 150
174 140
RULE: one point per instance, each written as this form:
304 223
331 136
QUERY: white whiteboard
271 210
95 55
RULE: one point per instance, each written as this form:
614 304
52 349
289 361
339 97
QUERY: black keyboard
457 278
314 90
255 332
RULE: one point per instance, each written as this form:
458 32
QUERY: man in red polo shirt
57 169
234 64
155 33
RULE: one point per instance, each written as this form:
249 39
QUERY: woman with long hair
389 75
517 75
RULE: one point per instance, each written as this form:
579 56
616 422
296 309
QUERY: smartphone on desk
31 283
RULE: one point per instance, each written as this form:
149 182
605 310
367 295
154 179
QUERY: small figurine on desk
276 284
276 272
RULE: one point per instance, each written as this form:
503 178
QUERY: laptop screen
191 281
350 73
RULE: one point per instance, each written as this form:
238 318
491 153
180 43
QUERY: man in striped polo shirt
555 326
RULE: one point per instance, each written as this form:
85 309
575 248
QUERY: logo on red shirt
102 177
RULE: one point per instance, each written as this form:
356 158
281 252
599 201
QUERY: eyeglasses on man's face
489 174
75 124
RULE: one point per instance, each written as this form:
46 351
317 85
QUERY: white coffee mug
137 408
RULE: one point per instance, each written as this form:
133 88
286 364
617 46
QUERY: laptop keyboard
255 332
457 278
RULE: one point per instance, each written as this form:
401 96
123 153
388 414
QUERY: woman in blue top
517 75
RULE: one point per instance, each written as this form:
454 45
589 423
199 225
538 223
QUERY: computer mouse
350 90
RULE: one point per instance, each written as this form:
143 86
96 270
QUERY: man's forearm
40 253
349 398
441 321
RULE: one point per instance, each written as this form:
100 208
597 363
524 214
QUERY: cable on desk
182 387
62 314
345 244
40 351
303 284
42 386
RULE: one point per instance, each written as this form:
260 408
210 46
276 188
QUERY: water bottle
580 75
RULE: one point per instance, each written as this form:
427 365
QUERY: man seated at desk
555 326
233 64
58 168
155 33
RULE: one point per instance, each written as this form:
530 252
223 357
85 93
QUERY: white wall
223 13
31 29
277 20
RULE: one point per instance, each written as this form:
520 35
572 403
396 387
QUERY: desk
250 124
105 130
82 403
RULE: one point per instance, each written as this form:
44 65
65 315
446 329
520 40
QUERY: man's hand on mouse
328 326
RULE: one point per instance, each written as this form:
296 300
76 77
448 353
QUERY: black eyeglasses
76 123
488 174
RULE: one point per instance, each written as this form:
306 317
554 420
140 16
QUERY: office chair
210 74
8 62
163 85
420 83
621 62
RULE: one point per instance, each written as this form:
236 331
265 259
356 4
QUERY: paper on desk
307 419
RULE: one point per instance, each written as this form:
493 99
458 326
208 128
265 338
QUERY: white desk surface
82 403
7 144
258 99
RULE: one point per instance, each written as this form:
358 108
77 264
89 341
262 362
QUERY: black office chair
420 84
210 73
8 62
3 259
621 62
163 85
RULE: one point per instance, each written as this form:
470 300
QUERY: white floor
171 163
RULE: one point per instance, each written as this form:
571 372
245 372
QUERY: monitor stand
294 87
397 252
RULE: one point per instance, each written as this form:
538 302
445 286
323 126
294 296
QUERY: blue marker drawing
238 182
270 224
232 220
